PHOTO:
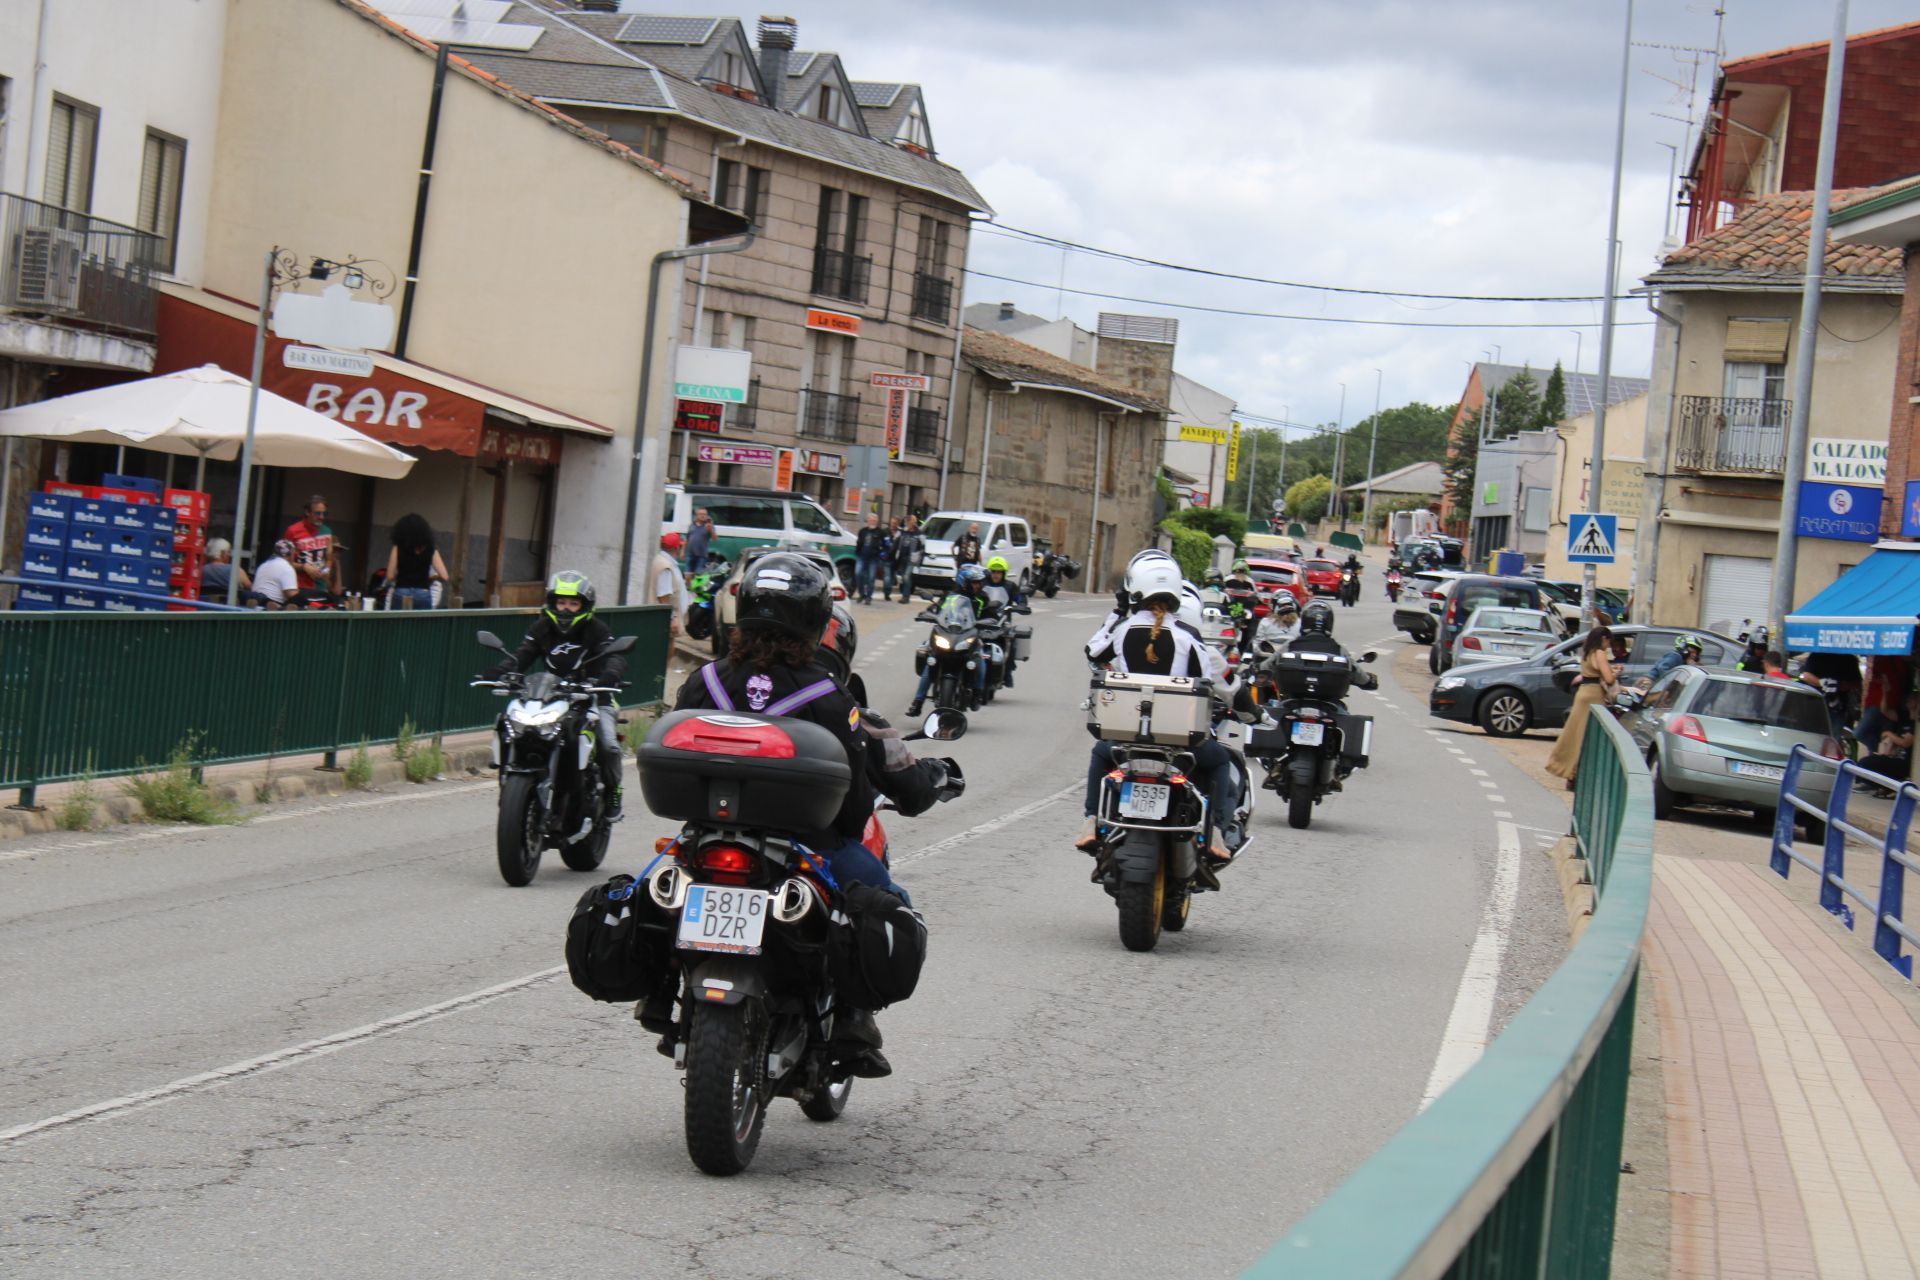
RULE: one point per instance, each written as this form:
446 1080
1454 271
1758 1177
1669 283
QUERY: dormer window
913 132
831 106
729 72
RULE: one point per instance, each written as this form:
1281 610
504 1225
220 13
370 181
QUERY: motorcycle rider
968 581
1755 657
1281 626
1686 649
1152 640
564 634
998 594
1242 595
785 606
1316 636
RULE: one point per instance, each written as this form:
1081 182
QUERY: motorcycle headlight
941 642
539 717
966 644
1449 682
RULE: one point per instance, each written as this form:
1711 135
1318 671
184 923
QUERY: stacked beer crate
116 538
190 509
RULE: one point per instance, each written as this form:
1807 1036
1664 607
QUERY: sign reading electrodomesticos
1840 460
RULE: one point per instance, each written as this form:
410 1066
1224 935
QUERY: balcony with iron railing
932 298
837 274
55 262
1731 435
923 430
826 416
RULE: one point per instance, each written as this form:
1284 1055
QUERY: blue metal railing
154 597
1889 931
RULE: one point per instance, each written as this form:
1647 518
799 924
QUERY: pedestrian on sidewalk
413 564
869 553
699 537
665 584
1598 679
906 554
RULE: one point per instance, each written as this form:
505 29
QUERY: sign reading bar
903 381
833 321
739 455
353 366
712 373
1203 435
896 421
497 443
1841 460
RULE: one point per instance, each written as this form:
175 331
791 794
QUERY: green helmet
1682 643
569 583
1239 566
997 564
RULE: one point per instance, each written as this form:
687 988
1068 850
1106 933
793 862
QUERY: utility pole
1286 412
1253 472
1339 457
1786 549
1589 601
1373 441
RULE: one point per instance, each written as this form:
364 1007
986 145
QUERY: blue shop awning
1871 609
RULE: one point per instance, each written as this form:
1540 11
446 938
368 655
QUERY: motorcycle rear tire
1301 773
828 1103
699 623
1050 591
1173 916
1143 906
726 1088
519 830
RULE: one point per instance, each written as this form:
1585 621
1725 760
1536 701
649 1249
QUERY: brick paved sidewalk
1791 1070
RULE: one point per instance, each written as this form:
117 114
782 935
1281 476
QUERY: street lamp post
1339 456
1589 601
1373 441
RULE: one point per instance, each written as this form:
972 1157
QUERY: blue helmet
967 573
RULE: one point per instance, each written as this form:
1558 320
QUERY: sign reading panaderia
1841 460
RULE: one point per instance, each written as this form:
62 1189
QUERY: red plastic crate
190 536
139 497
192 505
187 562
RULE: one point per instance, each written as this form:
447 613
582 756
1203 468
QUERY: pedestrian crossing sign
1592 537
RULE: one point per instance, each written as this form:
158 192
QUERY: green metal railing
1514 1171
98 694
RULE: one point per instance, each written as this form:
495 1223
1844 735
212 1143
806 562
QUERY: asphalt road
330 1042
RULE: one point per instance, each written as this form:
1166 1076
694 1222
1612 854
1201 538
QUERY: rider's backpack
607 955
876 957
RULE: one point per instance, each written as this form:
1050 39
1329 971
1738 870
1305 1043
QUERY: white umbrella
203 412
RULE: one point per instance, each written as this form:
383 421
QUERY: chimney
1006 311
777 36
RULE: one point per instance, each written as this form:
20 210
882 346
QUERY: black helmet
785 592
838 642
1316 619
569 583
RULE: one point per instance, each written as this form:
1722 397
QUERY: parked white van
1000 535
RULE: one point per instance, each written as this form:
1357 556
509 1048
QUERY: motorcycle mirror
945 725
620 645
491 641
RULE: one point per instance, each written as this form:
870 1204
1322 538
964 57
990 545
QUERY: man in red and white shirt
313 547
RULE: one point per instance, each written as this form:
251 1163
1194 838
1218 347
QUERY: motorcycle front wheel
699 623
726 1106
519 830
589 853
828 1103
1051 590
1143 907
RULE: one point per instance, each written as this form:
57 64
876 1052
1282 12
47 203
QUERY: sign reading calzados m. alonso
1840 460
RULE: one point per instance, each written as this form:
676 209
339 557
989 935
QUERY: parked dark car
1566 598
1467 593
1509 698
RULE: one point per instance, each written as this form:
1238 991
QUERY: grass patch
425 763
359 770
406 742
80 809
177 794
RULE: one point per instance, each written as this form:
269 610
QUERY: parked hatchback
1509 698
1498 634
1724 737
1467 593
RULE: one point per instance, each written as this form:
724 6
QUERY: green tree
1517 405
1553 401
1307 499
1462 458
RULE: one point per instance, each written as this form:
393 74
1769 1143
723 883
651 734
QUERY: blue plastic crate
120 604
91 570
88 600
154 574
162 518
48 506
48 535
141 483
38 598
129 516
160 548
97 512
128 544
122 572
42 562
90 539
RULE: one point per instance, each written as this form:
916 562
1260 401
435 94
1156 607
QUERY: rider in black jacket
565 635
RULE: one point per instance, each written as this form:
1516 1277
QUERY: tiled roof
1735 66
1767 244
1013 361
883 117
577 81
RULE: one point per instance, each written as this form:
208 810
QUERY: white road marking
1492 798
387 1026
1488 785
1501 813
1081 617
279 815
1471 1021
1478 773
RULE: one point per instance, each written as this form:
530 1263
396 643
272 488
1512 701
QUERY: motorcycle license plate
1144 799
1308 734
716 918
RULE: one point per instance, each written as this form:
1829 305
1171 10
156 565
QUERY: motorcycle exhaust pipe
667 886
798 905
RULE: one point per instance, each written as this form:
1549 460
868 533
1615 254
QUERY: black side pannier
610 956
876 958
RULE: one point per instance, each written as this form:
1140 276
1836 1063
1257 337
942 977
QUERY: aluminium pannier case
1356 740
1022 643
1326 676
738 767
1177 709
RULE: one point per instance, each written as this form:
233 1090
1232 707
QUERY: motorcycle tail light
1687 727
726 864
1177 779
1117 775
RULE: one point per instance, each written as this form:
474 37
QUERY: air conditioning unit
45 271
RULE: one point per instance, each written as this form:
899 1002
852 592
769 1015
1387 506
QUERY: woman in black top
413 565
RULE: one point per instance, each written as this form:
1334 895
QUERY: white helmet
1147 578
1145 554
1191 612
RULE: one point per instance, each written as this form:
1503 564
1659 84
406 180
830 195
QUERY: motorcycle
1051 568
1005 644
753 921
955 647
551 792
1393 585
1152 817
1349 587
1310 743
702 587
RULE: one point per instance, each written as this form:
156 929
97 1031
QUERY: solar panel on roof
868 94
647 28
484 35
471 10
797 64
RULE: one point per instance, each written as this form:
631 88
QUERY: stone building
1074 450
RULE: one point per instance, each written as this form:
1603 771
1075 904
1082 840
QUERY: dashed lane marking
1471 1021
1491 798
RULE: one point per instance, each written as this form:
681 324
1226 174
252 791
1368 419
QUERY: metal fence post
1886 939
35 736
1785 815
1833 867
329 763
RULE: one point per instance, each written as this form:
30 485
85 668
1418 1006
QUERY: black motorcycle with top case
1309 743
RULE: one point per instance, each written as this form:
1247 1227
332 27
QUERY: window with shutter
1757 341
162 167
72 131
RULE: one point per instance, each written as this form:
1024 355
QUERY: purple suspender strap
716 690
801 697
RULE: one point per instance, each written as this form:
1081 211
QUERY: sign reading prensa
833 321
902 381
1203 435
1592 537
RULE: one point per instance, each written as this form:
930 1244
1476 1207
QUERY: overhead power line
1116 255
1274 315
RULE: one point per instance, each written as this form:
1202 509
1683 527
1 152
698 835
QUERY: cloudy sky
1458 148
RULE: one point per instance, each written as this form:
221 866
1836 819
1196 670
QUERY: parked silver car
1499 633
